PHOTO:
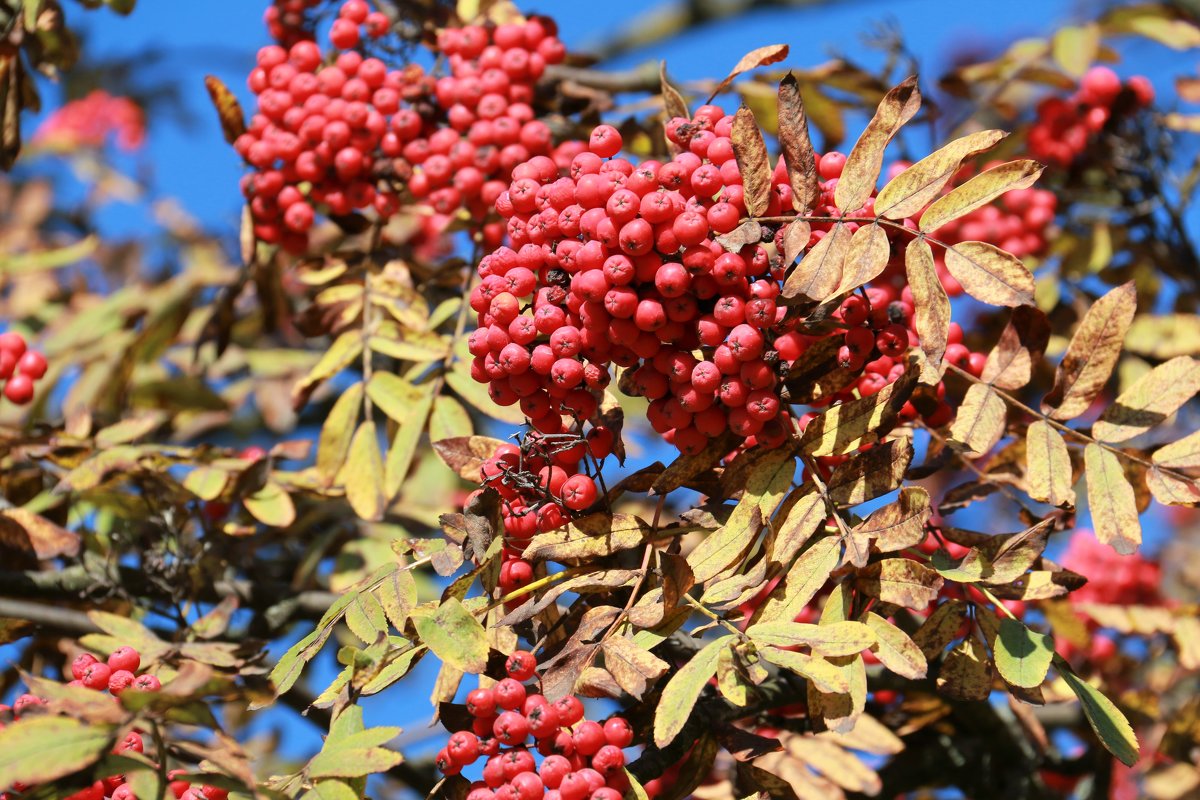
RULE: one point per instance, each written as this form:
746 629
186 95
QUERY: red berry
510 694
521 665
14 343
125 658
95 676
32 364
19 389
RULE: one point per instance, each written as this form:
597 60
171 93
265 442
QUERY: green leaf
42 749
404 444
356 755
1022 655
362 474
476 394
271 505
454 636
683 690
1106 719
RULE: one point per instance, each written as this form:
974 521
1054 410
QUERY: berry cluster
619 264
1064 127
287 21
90 120
357 132
19 368
541 483
581 758
116 675
489 122
325 125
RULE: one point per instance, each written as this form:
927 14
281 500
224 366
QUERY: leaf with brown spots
1091 354
858 178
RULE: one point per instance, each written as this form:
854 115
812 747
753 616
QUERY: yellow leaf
914 188
989 274
1111 501
1048 465
362 474
1152 399
979 423
866 257
979 191
338 430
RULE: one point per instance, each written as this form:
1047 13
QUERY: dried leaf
1091 354
1111 501
1048 470
632 667
898 525
989 274
931 308
866 258
966 673
24 531
819 273
673 102
865 476
466 454
807 576
941 628
900 581
1183 454
857 181
753 162
759 57
844 428
229 111
980 421
593 536
797 148
1150 400
800 522
914 188
1011 362
979 191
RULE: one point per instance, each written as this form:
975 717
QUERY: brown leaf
1011 362
1012 555
819 273
593 536
1091 354
797 147
864 476
989 274
1048 465
900 524
979 191
685 468
941 628
857 181
749 232
979 423
632 667
914 188
1111 501
901 581
795 239
753 162
866 257
966 673
759 57
1150 400
931 308
845 428
27 532
673 102
466 454
229 111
